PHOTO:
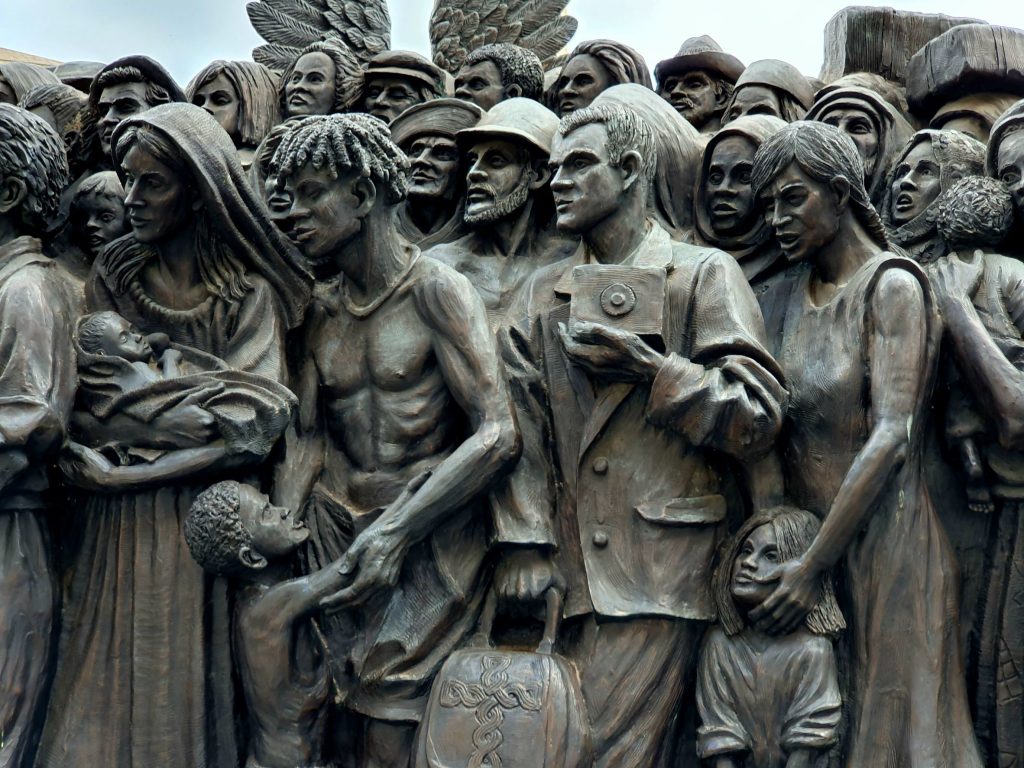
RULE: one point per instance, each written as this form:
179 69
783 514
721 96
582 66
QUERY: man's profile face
480 83
586 188
434 167
321 214
498 180
117 103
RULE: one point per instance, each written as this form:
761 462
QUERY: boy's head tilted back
232 529
107 333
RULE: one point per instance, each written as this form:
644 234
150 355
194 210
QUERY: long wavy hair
222 272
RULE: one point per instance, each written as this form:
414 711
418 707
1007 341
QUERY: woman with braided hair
858 340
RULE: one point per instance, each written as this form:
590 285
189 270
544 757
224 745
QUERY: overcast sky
185 35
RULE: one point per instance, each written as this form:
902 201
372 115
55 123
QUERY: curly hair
794 531
976 210
823 152
214 530
516 66
344 144
32 152
627 132
348 75
89 330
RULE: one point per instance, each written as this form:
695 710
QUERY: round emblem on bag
618 299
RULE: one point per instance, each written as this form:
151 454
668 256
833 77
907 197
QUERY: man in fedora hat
698 81
508 203
433 210
396 80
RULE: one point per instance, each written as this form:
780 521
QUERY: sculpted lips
904 201
480 194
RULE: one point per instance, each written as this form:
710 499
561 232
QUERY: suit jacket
637 508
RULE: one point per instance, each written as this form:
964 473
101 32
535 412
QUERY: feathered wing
460 26
288 26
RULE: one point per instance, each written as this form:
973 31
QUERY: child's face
122 339
753 571
274 530
99 219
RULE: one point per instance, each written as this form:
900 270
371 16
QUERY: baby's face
274 530
98 220
122 339
753 571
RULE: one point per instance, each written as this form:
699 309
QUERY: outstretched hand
797 592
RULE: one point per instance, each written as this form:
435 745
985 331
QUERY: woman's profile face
801 211
157 199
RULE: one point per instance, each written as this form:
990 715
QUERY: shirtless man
404 423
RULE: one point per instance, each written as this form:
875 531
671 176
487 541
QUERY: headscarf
748 246
1009 122
234 209
958 155
678 146
22 77
256 88
892 128
986 107
785 81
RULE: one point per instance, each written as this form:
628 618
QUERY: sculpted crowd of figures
359 410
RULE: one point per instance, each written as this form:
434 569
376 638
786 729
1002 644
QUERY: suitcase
494 708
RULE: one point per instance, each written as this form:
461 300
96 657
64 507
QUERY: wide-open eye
859 127
1009 176
716 176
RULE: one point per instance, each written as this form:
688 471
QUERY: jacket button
601 539
600 465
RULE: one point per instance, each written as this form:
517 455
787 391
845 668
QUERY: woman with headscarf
1004 158
18 77
144 669
726 213
858 344
242 96
677 146
770 87
593 67
930 164
877 128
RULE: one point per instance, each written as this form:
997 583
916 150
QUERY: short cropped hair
214 530
344 144
627 132
31 151
516 66
155 94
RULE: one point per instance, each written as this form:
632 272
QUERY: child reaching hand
764 701
233 530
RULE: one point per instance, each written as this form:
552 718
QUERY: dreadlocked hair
794 531
345 144
823 152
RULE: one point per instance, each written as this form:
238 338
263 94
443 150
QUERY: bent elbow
502 443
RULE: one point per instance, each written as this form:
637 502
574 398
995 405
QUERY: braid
343 144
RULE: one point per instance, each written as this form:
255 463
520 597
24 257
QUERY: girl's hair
256 89
823 153
794 531
221 271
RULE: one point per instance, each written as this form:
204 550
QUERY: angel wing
460 26
288 26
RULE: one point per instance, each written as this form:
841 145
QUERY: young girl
767 702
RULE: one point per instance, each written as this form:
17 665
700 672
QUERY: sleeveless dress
907 695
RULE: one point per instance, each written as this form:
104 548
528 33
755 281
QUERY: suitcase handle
552 620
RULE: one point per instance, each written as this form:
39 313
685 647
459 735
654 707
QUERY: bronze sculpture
37 382
698 81
322 79
230 294
624 524
770 87
590 69
434 209
242 95
57 104
497 72
17 78
97 219
868 320
389 457
397 80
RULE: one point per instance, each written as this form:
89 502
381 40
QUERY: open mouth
787 239
297 99
724 209
904 201
96 241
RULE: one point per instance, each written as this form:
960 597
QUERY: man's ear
631 166
250 558
840 192
540 173
722 96
365 193
513 91
12 194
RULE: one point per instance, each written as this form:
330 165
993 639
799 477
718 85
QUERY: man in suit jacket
638 436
